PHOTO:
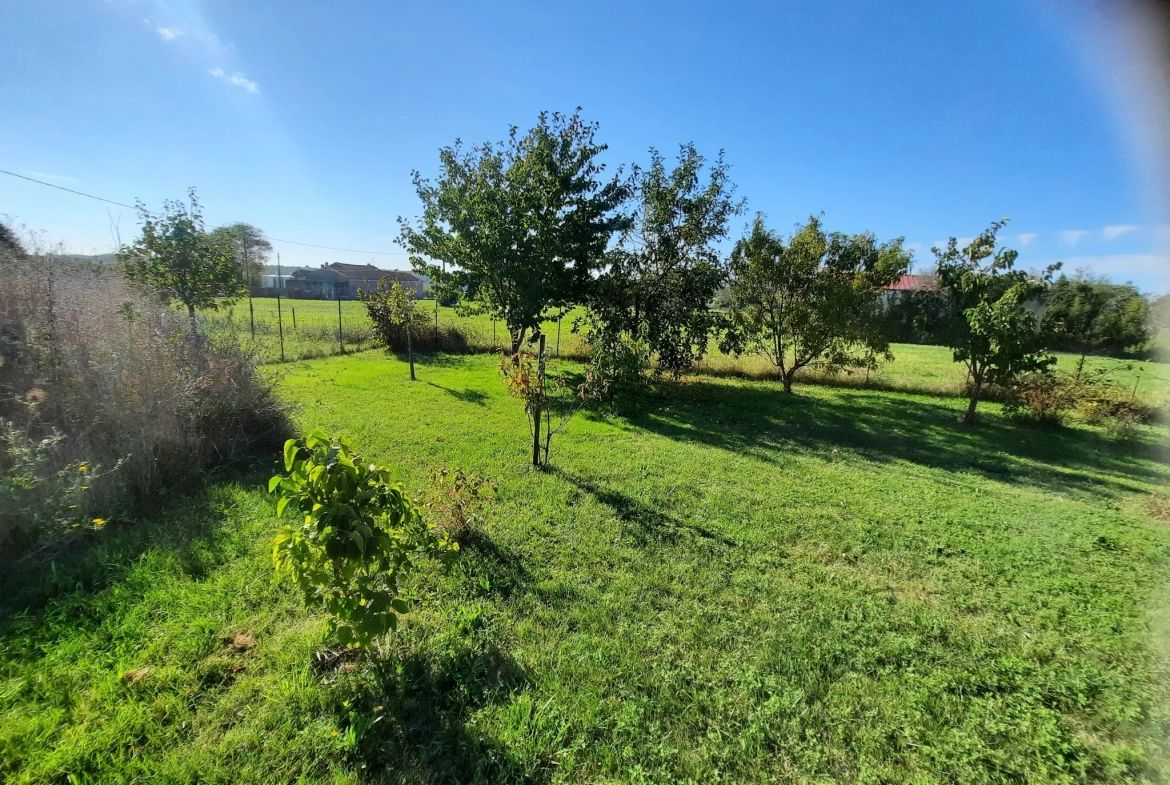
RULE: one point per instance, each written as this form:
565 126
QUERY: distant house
914 283
340 281
908 285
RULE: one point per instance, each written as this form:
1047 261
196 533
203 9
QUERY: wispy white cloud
1116 230
47 176
237 79
168 33
1027 237
1073 236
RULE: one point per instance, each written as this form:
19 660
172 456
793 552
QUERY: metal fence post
294 310
252 318
559 318
340 340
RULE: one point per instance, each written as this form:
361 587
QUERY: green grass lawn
722 583
915 368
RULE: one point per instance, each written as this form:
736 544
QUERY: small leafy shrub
1046 398
546 398
358 539
457 502
395 315
621 363
37 493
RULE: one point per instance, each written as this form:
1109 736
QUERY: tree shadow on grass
642 523
765 423
76 567
487 568
426 702
468 395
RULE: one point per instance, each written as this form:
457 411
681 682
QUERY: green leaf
281 503
290 454
275 481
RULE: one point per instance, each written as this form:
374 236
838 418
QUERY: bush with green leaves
359 537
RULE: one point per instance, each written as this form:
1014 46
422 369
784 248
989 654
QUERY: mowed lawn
719 583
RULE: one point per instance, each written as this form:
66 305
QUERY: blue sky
922 120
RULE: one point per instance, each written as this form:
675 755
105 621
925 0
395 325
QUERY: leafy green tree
395 317
176 258
1094 316
251 247
520 226
663 278
991 323
811 300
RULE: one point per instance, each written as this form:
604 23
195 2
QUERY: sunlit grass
720 581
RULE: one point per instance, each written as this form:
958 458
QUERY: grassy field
719 584
915 368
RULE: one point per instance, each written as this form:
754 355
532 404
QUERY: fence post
494 344
280 324
559 318
436 321
252 318
340 340
294 310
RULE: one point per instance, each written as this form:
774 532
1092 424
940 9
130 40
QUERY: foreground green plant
358 538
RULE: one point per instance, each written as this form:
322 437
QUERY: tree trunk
970 417
536 409
787 380
410 352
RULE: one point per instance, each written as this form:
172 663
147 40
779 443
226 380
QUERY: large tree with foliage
661 280
1094 316
176 258
991 324
812 299
520 226
250 246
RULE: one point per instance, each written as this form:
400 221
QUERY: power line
132 207
70 190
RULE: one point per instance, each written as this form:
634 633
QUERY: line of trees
535 224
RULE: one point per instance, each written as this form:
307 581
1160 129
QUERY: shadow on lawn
468 395
75 567
426 703
765 423
644 524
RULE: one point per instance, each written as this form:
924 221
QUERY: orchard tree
661 281
177 259
811 300
394 316
991 324
1094 316
520 226
250 246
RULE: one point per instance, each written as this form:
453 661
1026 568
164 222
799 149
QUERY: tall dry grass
110 399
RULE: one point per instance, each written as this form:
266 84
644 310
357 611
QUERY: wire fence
284 330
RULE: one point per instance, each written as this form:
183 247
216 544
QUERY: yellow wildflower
99 521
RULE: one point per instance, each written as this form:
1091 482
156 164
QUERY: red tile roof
913 283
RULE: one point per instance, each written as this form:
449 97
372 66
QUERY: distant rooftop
913 283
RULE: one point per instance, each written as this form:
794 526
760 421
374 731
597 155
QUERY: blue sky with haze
921 120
